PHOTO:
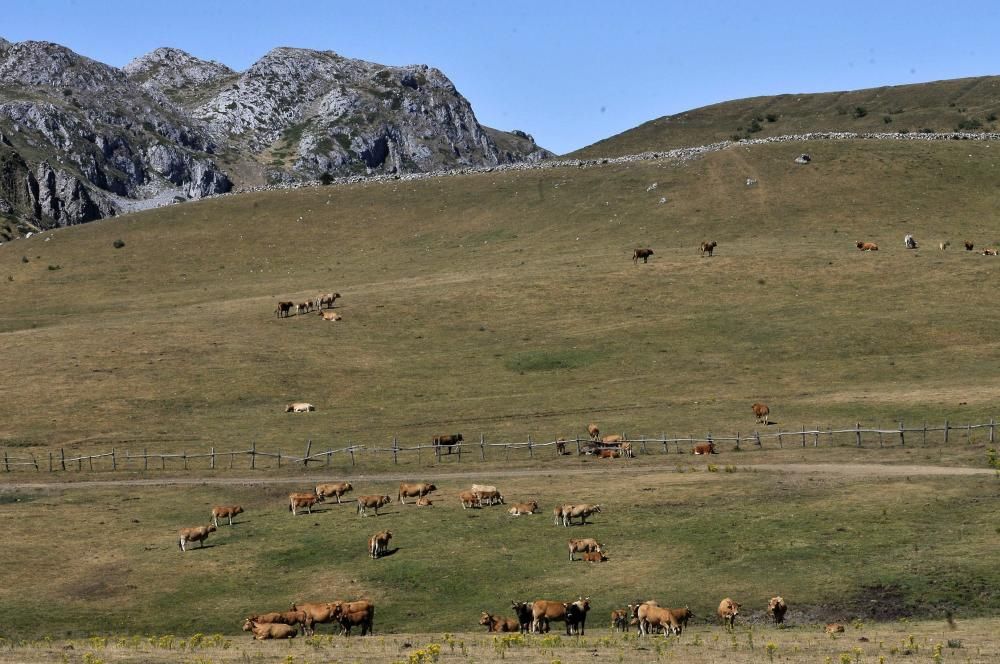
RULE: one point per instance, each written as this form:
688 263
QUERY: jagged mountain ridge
81 140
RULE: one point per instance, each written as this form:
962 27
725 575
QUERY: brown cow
372 502
704 448
776 608
225 511
292 617
337 489
708 247
284 309
414 490
650 615
644 254
583 545
318 612
582 511
523 508
469 499
557 514
332 316
269 630
424 502
595 557
544 611
989 252
352 614
608 454
495 623
613 438
327 299
867 246
761 411
296 501
728 610
619 620
680 618
834 628
594 432
197 534
378 544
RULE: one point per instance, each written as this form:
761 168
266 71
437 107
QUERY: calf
944 245
296 501
299 407
644 254
497 624
318 612
424 502
776 608
269 630
583 545
353 614
522 610
595 557
303 308
679 619
557 514
989 252
491 497
366 503
613 438
619 621
909 242
197 534
225 511
523 508
704 448
337 489
292 617
414 490
728 610
867 246
708 247
378 544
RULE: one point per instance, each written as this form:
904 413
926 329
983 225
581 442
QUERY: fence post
879 427
253 454
858 434
305 459
508 451
708 438
643 445
968 438
482 447
145 459
114 460
531 452
946 431
279 457
5 465
663 437
50 462
34 461
184 455
737 440
163 462
780 446
578 450
902 439
352 454
232 459
395 451
992 429
816 436
62 458
460 446
803 435
756 435
91 460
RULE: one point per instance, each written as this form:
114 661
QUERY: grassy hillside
969 104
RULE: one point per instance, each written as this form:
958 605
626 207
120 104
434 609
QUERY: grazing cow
225 511
776 608
284 309
544 611
523 508
497 624
299 407
269 630
944 245
708 247
704 448
761 411
619 621
414 490
378 543
372 502
595 557
557 514
352 614
492 497
608 454
728 610
197 534
318 612
337 489
330 315
613 438
594 432
989 252
679 619
303 308
866 246
448 440
644 254
651 616
523 612
834 628
581 511
576 616
469 499
423 501
583 545
327 300
296 501
969 246
909 242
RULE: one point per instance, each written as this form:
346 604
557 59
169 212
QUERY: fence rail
118 459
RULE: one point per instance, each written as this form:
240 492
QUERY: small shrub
55 267
118 244
730 469
24 259
771 117
926 130
887 119
771 648
859 112
712 468
326 178
754 127
969 124
992 117
954 643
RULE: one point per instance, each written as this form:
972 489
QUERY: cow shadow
207 546
389 552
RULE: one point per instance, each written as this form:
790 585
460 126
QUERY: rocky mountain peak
171 70
40 63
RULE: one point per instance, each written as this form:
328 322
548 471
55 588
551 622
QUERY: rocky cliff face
80 140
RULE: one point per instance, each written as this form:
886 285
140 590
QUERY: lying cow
225 511
583 545
728 610
378 544
776 608
644 254
497 624
834 628
197 534
581 512
608 454
423 501
330 315
296 501
595 557
867 246
353 614
366 503
269 630
337 489
299 407
523 508
414 490
704 448
291 618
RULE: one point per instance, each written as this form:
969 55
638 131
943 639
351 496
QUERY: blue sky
570 73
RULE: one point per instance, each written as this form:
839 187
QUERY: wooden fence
857 435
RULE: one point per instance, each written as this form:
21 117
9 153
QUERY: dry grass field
506 304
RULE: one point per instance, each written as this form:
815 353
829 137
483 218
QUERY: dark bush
859 112
772 117
118 244
326 178
887 119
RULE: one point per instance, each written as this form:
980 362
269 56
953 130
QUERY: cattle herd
911 243
285 307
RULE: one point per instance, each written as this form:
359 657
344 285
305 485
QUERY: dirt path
840 469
